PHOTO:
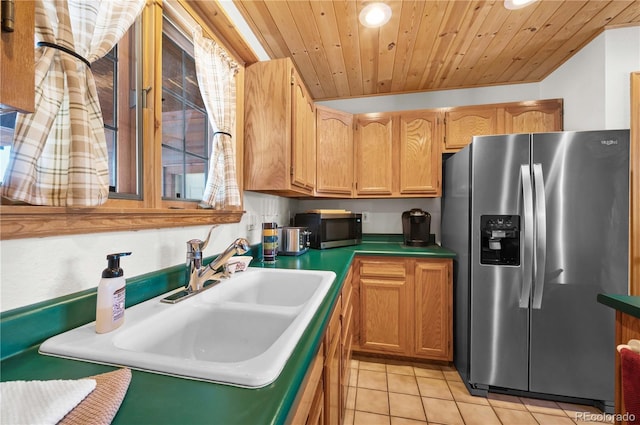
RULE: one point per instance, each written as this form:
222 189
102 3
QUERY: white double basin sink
240 332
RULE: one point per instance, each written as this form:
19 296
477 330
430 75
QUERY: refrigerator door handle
541 236
527 254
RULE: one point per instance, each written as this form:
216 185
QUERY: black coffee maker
416 226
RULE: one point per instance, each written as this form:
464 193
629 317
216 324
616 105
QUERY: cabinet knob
8 15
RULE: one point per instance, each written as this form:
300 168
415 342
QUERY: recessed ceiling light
517 4
375 15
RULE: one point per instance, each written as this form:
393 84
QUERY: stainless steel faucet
198 274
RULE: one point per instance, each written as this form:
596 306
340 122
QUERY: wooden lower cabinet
332 369
347 337
404 306
384 298
316 412
322 400
433 310
310 407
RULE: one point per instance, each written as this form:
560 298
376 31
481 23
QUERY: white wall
622 49
436 99
384 214
33 270
593 83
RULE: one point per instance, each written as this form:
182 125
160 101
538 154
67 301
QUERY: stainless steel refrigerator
539 223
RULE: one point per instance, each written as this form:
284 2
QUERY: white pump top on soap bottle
111 296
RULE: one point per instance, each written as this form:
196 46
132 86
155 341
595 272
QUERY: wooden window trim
28 221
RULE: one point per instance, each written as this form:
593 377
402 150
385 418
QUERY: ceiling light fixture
517 4
375 15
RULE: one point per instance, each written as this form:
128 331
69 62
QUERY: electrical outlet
365 217
252 223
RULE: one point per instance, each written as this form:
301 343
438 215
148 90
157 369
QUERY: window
143 205
185 126
117 82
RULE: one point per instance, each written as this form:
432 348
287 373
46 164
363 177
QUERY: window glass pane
195 131
7 127
116 76
185 125
171 65
195 177
104 74
192 91
172 121
110 135
172 173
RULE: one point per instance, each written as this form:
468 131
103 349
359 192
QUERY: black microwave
330 230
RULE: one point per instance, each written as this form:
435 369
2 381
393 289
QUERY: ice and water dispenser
500 240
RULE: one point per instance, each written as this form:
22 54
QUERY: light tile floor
396 393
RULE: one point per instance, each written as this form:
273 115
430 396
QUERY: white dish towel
41 402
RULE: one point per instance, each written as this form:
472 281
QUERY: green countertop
154 398
629 304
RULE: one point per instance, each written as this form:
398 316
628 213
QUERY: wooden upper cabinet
538 116
462 123
374 154
533 117
17 61
279 151
420 162
334 152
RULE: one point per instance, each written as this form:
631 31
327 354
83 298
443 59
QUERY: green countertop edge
164 399
629 304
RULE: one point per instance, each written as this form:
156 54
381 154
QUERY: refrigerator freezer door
587 200
455 236
499 327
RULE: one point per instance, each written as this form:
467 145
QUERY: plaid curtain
59 153
216 78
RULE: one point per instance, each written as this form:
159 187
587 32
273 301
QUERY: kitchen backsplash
384 214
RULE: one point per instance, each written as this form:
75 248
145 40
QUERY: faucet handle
196 245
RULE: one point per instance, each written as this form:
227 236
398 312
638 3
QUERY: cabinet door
17 63
384 306
374 154
303 136
316 412
267 119
310 401
534 117
334 152
347 337
433 309
332 371
461 124
420 161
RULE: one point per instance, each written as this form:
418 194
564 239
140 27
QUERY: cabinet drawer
387 268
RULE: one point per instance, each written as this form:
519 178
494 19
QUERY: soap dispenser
111 295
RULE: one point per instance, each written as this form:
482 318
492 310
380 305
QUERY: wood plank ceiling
427 44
